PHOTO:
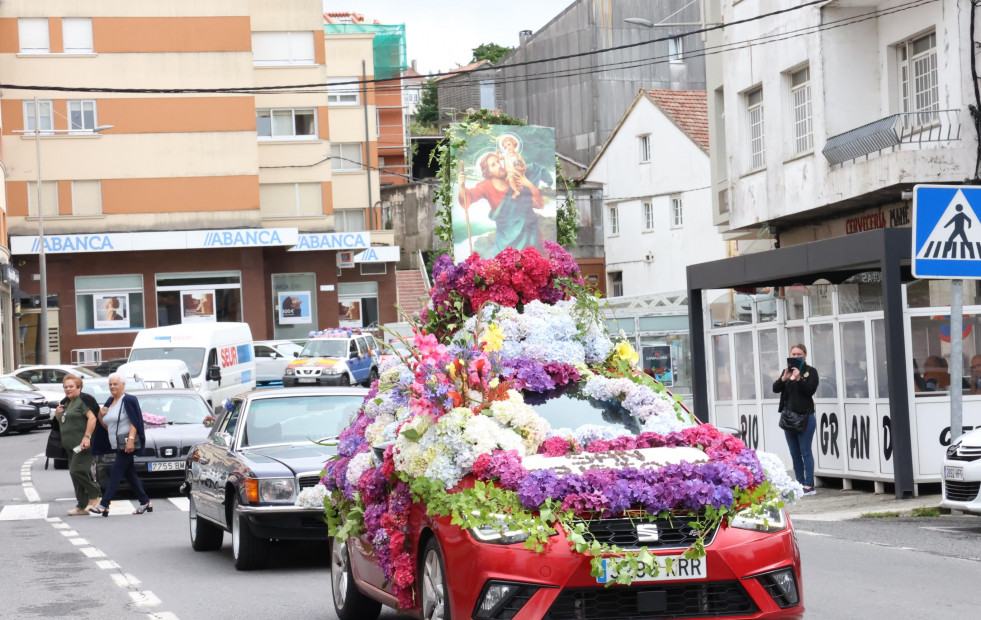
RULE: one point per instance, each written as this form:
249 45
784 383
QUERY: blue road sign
946 231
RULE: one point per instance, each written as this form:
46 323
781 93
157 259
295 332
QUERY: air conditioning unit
89 356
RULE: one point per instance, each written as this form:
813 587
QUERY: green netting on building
388 45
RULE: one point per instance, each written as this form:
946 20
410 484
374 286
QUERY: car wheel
433 592
372 376
345 380
349 602
60 464
205 535
250 551
4 424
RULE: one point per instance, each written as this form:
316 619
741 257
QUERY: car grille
308 481
966 453
690 600
159 452
622 532
306 372
961 491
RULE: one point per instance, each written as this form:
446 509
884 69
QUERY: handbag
122 437
53 449
793 421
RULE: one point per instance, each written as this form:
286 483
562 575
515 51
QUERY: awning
379 254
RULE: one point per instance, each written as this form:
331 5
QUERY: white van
158 373
219 356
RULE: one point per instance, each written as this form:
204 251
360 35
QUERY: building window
676 49
47 115
677 212
109 303
343 91
754 105
49 198
290 200
374 269
76 33
918 78
81 115
616 283
800 94
614 221
286 123
199 297
644 145
357 304
648 216
346 157
86 198
487 95
349 220
282 48
33 34
410 96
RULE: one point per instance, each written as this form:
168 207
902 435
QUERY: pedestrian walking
77 421
796 386
123 420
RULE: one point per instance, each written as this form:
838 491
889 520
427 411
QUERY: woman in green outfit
77 420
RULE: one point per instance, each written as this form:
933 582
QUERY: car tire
433 593
249 551
345 380
349 602
372 376
4 423
60 463
205 535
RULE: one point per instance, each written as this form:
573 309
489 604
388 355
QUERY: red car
751 567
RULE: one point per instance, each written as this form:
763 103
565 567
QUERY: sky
441 34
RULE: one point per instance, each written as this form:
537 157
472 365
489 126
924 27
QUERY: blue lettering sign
369 255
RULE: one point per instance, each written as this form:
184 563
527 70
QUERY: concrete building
195 206
585 95
470 87
825 123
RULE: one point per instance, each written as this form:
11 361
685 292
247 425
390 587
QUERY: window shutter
77 33
33 33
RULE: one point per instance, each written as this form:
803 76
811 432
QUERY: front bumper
27 417
734 586
962 494
285 522
316 380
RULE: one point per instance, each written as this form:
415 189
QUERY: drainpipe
367 138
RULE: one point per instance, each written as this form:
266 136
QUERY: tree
427 112
490 51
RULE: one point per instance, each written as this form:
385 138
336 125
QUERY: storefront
284 283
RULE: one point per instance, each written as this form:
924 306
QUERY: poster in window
657 358
198 306
294 308
349 312
111 310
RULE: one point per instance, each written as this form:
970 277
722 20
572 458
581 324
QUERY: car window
325 348
263 351
55 376
81 371
228 423
353 348
298 419
180 409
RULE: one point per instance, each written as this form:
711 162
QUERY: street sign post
947 245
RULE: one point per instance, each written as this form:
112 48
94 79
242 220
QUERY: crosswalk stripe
21 512
183 503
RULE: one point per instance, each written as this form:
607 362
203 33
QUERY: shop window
204 297
936 293
931 337
771 361
861 293
821 355
720 355
766 305
374 269
880 358
794 299
820 297
855 368
745 377
108 303
357 304
795 335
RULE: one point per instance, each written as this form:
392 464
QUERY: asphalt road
126 566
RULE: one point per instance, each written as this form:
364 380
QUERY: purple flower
536 487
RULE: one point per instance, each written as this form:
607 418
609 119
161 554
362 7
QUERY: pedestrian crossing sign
946 231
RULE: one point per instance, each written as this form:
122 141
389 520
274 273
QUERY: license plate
953 473
45 410
681 568
306 380
166 466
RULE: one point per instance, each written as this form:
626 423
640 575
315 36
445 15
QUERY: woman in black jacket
796 387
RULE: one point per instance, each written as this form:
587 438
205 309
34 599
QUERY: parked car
52 397
272 357
108 367
52 376
962 474
99 388
22 410
262 450
337 357
157 374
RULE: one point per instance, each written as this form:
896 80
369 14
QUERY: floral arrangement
452 425
154 420
209 420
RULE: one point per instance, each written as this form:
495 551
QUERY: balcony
895 132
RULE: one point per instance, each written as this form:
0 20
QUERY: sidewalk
836 505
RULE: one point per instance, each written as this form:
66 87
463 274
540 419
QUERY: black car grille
690 600
622 532
965 453
961 491
308 481
154 452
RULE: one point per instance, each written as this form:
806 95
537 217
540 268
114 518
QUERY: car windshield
194 358
177 409
99 388
298 419
83 372
325 348
572 410
16 383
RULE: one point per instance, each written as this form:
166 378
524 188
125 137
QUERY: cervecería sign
891 218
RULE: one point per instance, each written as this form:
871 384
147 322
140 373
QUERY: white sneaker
811 492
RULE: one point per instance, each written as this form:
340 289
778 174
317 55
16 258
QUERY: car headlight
270 490
336 369
289 372
22 401
501 535
770 520
952 449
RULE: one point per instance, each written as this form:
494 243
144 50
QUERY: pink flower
555 446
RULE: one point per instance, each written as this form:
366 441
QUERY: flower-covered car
334 357
515 464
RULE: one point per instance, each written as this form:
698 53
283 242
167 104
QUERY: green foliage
419 129
427 112
929 512
566 217
490 51
879 515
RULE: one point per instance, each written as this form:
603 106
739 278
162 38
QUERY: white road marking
182 503
23 512
53 519
67 532
78 541
162 615
107 565
125 580
92 552
31 494
145 598
61 526
799 531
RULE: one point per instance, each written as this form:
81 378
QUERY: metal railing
914 128
94 357
422 270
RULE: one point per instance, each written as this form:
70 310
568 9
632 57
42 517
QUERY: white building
823 118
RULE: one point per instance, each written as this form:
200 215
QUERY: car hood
299 458
970 439
179 435
647 458
32 397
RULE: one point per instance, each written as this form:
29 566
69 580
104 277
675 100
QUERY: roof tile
688 109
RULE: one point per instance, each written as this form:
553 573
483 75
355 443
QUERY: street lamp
42 322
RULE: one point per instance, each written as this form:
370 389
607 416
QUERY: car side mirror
222 439
214 374
273 356
296 354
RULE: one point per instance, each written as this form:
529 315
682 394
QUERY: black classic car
265 447
21 408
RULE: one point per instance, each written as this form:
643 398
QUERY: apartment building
190 204
823 119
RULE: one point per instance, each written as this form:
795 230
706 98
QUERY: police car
335 357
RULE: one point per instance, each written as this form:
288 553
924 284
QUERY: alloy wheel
433 594
338 572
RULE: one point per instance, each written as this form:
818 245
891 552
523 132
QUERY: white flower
776 472
361 463
312 497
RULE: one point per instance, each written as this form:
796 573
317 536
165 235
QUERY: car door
361 363
266 364
210 465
